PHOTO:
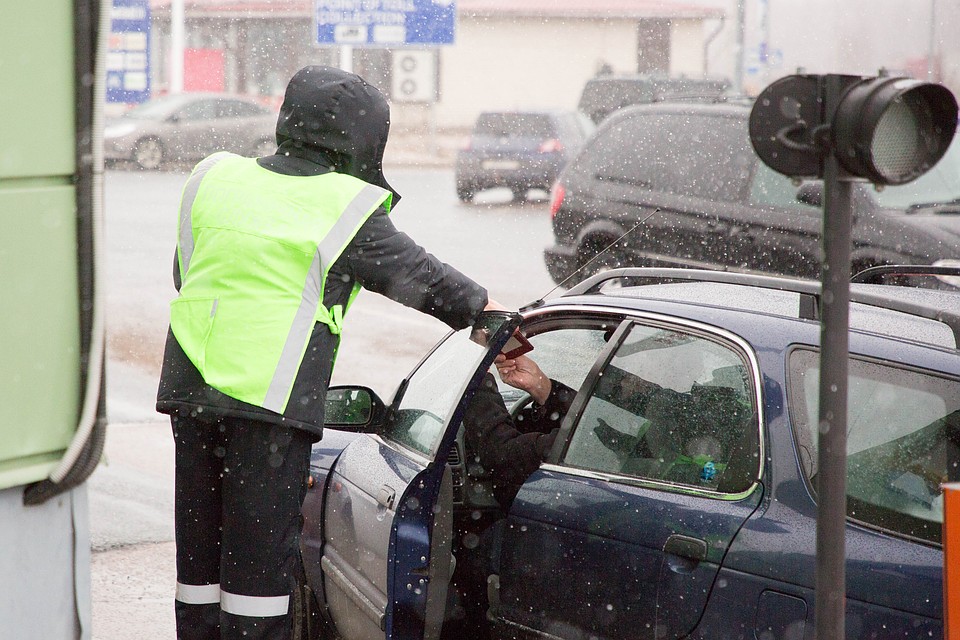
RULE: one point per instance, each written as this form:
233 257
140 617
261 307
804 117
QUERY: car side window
566 353
199 110
773 189
903 441
671 406
236 109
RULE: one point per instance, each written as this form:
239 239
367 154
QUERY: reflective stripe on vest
185 248
255 244
329 250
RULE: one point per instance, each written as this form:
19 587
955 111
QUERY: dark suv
520 150
688 172
603 95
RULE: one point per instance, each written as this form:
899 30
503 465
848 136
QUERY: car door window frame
715 334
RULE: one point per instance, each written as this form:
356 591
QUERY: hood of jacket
335 118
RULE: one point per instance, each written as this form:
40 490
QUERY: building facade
507 53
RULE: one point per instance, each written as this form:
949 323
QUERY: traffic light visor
893 130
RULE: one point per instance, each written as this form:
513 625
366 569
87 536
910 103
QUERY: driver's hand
523 373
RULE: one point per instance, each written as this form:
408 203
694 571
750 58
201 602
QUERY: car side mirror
811 193
353 408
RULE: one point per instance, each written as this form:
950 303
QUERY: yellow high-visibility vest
254 249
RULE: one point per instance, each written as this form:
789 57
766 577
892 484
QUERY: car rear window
903 441
691 155
515 125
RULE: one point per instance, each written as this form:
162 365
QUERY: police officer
271 252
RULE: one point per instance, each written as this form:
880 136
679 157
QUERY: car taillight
556 198
551 146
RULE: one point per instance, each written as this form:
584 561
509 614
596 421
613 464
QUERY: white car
188 127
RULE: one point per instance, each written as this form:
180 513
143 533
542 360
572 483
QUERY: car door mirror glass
353 409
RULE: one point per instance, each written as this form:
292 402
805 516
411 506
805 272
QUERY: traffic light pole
834 349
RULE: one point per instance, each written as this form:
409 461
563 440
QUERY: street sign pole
830 577
346 58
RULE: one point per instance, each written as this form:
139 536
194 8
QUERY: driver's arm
507 453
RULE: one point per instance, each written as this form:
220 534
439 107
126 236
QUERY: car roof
924 316
529 112
733 109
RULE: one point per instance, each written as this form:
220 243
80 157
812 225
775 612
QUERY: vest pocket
191 320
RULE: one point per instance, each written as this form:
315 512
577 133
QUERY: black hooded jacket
332 120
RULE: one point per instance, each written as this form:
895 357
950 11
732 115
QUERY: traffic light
842 129
888 130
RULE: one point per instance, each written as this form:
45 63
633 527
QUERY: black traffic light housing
888 130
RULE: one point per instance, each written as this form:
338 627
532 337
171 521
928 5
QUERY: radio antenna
538 302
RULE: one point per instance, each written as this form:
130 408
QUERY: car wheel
464 194
148 154
264 147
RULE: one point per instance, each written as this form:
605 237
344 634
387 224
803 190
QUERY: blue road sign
385 23
128 52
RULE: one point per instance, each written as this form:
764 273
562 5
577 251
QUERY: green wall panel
39 341
36 89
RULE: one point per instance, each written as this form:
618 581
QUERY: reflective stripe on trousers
238 605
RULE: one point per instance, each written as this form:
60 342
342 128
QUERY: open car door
387 557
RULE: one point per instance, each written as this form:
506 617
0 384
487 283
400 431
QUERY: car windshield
940 184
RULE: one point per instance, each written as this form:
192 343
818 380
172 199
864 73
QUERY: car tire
148 154
263 147
464 194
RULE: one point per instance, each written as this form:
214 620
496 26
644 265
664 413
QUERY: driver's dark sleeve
510 455
387 261
547 416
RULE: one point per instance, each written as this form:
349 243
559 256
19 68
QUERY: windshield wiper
933 205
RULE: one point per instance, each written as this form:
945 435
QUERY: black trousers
239 487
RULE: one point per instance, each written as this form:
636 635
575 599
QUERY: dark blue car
694 518
519 150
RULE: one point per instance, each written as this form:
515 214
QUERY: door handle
686 547
386 496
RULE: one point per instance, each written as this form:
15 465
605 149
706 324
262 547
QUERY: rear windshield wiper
932 205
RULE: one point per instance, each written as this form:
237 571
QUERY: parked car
189 126
683 182
605 94
520 150
694 520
